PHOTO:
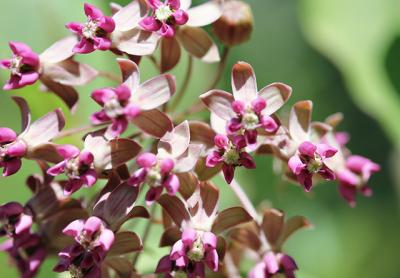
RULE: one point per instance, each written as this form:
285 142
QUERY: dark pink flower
272 264
231 154
23 66
92 242
95 33
309 161
12 150
355 176
164 17
247 111
78 167
13 220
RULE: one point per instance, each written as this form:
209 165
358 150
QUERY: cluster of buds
171 158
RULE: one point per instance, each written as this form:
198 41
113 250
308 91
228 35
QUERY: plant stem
74 130
154 62
146 232
110 76
179 95
241 195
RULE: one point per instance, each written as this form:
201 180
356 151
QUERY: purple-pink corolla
23 66
175 155
310 160
246 112
77 166
272 264
95 33
230 153
164 17
12 150
13 220
92 242
134 102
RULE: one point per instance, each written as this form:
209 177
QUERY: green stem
179 95
109 76
73 131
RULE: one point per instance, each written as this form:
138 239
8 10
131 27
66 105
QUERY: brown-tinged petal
153 122
44 129
130 73
136 42
188 160
175 208
170 53
170 236
46 152
25 112
69 72
247 236
123 150
272 224
59 51
221 247
219 102
320 128
205 173
201 132
125 242
244 84
154 92
291 226
209 195
335 119
121 266
128 17
115 7
299 121
175 142
198 43
218 124
138 212
276 95
230 218
188 183
205 14
67 93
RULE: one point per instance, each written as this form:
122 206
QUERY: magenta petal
258 104
93 12
154 4
99 117
327 173
269 124
131 111
239 141
181 17
296 165
146 160
18 149
229 172
28 79
221 141
11 167
174 4
106 239
68 151
86 157
213 159
75 27
57 169
271 263
308 149
178 250
92 225
107 24
188 236
251 136
7 135
101 96
74 228
172 184
5 63
326 151
166 165
117 127
150 24
349 194
167 31
153 194
348 178
72 186
84 46
238 106
305 179
90 177
247 161
209 239
211 260
164 265
102 43
24 223
138 177
366 191
123 92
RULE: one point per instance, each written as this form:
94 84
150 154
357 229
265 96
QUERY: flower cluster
171 158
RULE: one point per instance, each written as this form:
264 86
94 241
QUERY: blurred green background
343 55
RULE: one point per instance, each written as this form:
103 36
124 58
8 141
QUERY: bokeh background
343 55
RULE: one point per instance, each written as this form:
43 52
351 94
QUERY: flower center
16 64
75 271
113 108
196 253
153 177
163 13
231 155
89 29
314 165
250 120
180 274
72 168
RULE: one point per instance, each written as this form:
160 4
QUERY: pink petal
84 46
131 111
307 149
210 240
93 12
167 31
174 4
220 103
138 177
99 117
258 271
75 27
271 263
74 228
154 4
150 24
269 124
86 157
348 178
211 260
178 250
181 17
102 43
221 141
296 165
244 82
11 167
57 169
68 151
7 135
229 172
101 96
117 127
123 92
146 160
24 223
326 151
92 225
90 177
107 24
5 63
188 236
106 239
213 159
172 185
167 165
258 104
238 106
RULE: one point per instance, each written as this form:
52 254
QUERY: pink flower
175 155
164 17
231 154
12 150
13 219
274 263
134 102
92 242
23 66
77 165
309 161
247 111
354 177
95 33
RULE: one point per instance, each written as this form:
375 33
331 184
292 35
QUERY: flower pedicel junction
169 160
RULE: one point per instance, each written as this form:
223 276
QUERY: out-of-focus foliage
356 35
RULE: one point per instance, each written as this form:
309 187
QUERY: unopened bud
235 24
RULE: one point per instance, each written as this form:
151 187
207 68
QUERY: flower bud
235 24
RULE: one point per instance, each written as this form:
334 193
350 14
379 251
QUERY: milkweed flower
13 219
94 34
92 242
273 264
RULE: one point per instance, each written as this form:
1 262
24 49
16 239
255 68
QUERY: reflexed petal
57 169
220 103
299 121
326 151
74 228
229 172
230 218
62 49
153 122
247 161
176 142
170 53
276 95
150 24
67 151
205 14
137 42
244 83
93 12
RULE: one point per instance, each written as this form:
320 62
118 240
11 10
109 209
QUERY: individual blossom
246 112
83 167
161 171
230 153
94 34
29 142
134 102
310 160
195 240
55 68
273 264
13 219
93 240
